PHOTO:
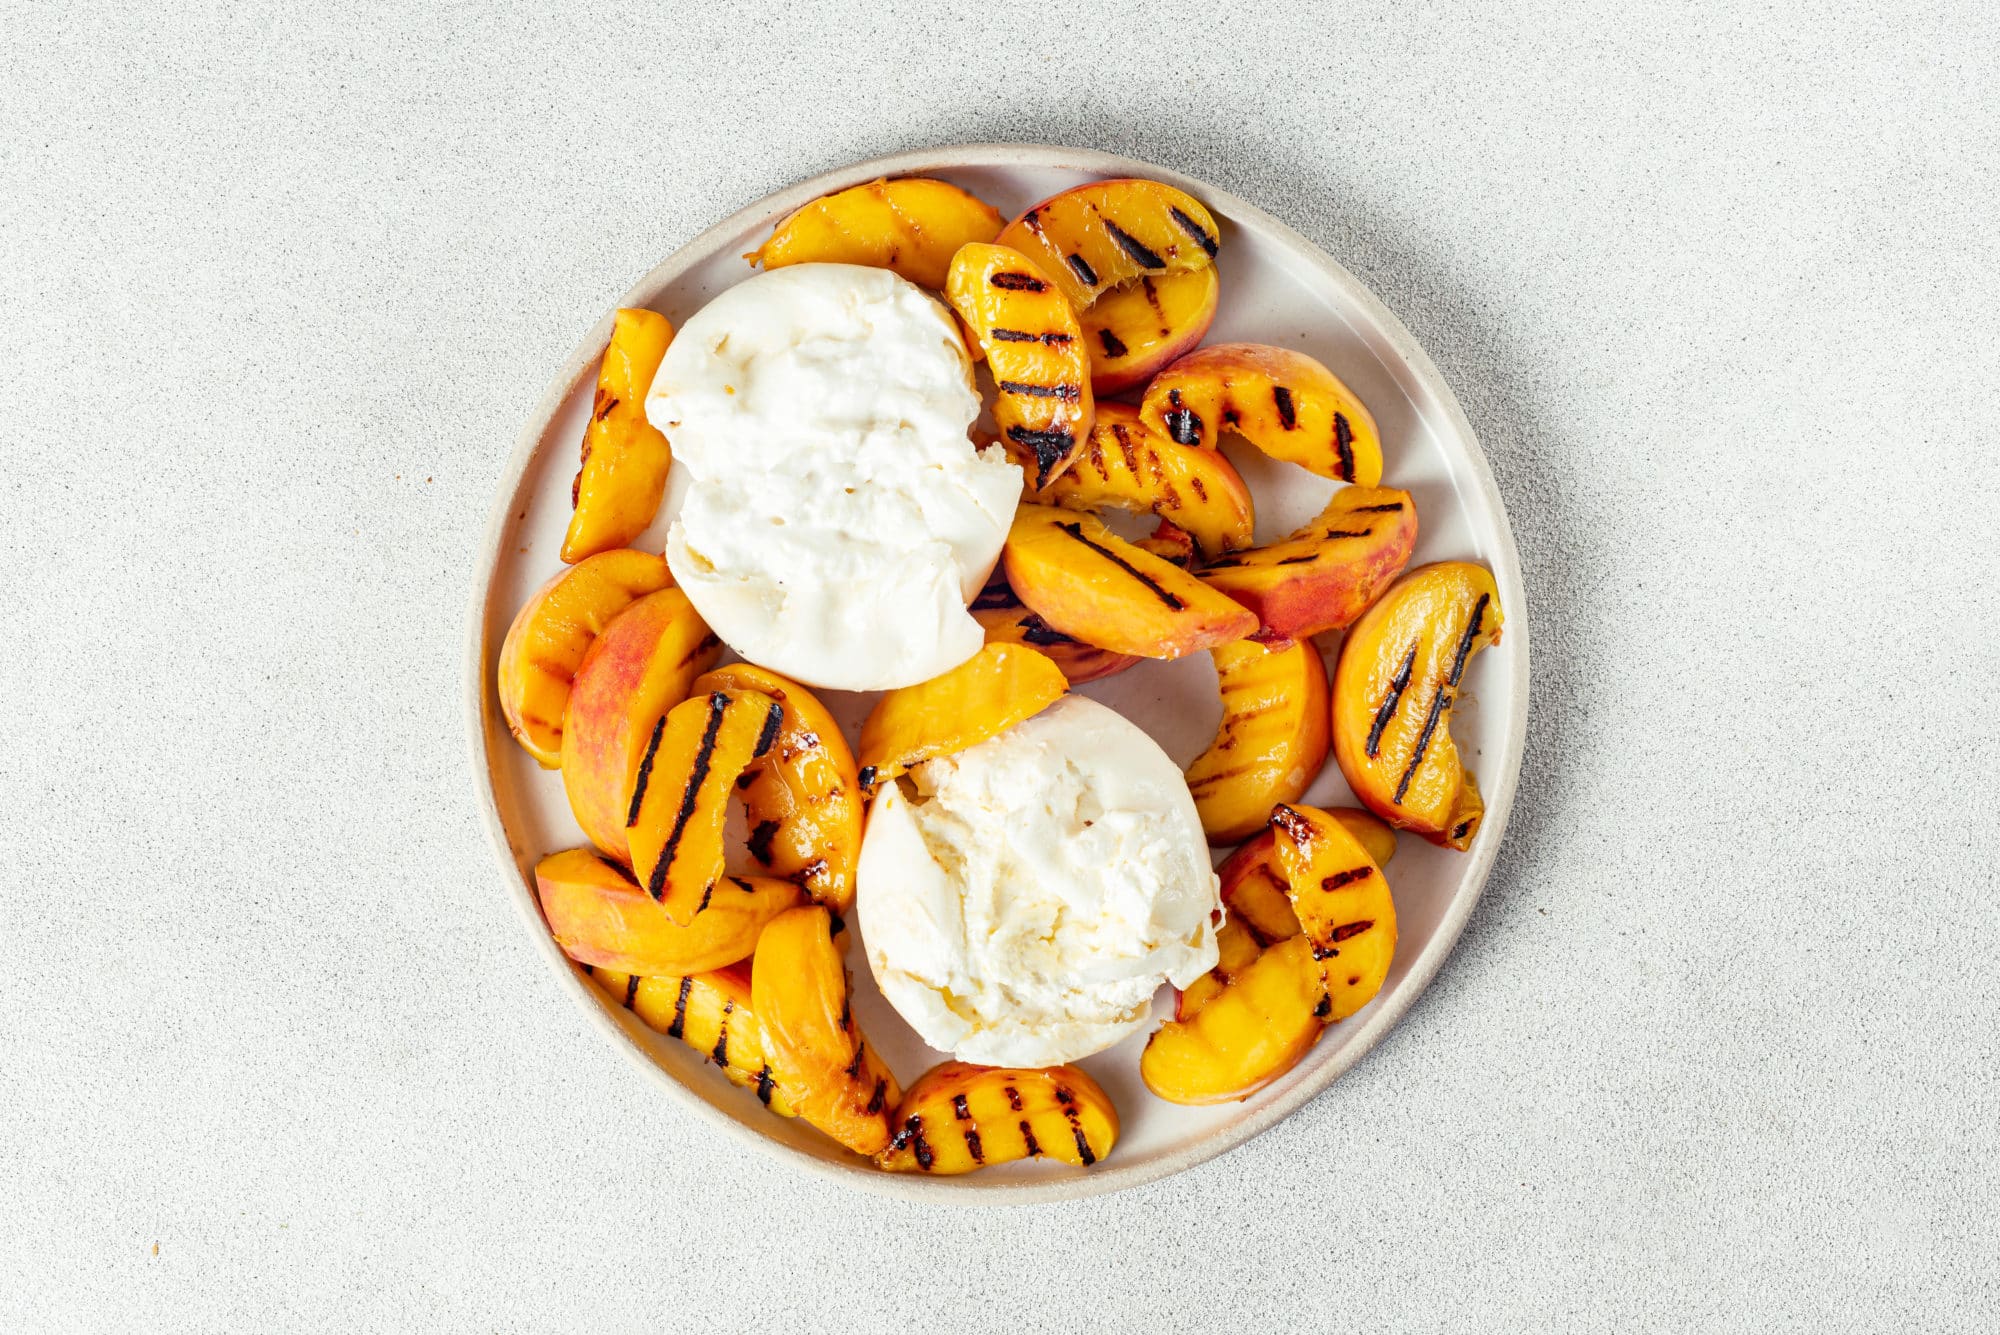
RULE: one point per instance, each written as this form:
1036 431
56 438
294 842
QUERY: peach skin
1283 402
1325 574
639 668
911 225
550 635
1399 674
625 459
599 915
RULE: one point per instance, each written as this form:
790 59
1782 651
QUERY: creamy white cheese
834 519
1025 908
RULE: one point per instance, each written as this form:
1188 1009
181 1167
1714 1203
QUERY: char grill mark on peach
1049 446
1459 831
878 1098
1348 930
631 990
1081 268
1054 338
765 1084
645 773
1465 641
1397 685
1067 393
1348 532
720 1054
1018 282
1134 247
972 1145
1391 509
1343 440
1182 423
1013 1098
760 841
1340 878
1288 412
1197 231
718 704
1028 1138
1438 699
1171 600
1112 346
1034 630
769 735
679 1024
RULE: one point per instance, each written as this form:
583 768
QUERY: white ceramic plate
1276 288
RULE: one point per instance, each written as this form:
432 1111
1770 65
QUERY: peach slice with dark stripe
640 667
1324 574
800 992
1084 581
698 751
1273 739
958 1117
1034 348
1007 621
623 474
1248 1033
710 1012
990 692
599 916
1254 894
1137 261
1283 402
1400 672
911 225
1343 905
550 635
1126 465
803 800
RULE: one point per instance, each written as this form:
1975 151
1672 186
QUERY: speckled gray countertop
1720 292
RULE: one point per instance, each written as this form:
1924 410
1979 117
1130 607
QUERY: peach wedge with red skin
1283 402
911 225
799 990
698 751
1008 622
639 668
1325 574
599 916
1342 901
803 801
1034 348
1134 330
959 1117
554 630
1087 583
1400 671
990 692
625 458
710 1012
1126 465
1247 1034
1273 739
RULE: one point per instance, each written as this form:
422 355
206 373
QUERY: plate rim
481 712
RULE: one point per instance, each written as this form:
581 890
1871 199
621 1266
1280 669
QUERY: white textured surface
1719 290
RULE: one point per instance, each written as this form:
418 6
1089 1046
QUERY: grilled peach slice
803 802
1248 1034
1134 330
1283 402
982 697
710 1012
799 990
599 915
958 1117
1394 686
639 668
1126 465
1008 622
911 225
1342 901
1087 583
698 750
1273 738
552 632
625 458
1033 346
1325 574
1093 238
1254 893
1237 949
